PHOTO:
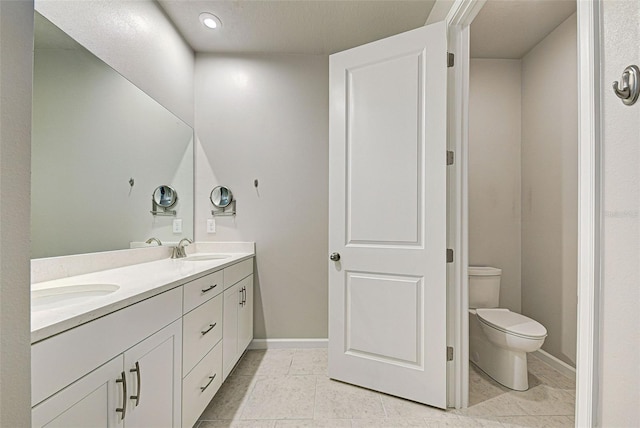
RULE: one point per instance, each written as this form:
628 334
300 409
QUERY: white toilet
498 338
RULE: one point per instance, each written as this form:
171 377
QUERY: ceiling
294 26
511 28
48 36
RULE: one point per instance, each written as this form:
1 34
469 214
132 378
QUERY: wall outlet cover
211 225
177 225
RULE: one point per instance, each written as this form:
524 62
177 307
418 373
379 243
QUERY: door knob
335 256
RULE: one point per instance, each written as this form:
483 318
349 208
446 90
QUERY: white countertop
137 282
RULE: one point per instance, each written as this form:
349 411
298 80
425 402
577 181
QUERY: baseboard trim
556 363
288 343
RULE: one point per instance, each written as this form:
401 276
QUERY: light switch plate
211 225
177 225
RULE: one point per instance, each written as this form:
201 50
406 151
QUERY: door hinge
449 255
449 157
450 59
449 353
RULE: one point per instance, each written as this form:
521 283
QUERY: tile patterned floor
290 388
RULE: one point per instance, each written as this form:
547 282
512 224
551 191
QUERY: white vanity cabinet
86 403
154 381
146 394
238 313
102 373
238 322
155 363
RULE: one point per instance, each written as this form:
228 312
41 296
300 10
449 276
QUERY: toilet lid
512 323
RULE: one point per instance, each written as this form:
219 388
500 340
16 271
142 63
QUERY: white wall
550 188
135 38
620 317
266 117
494 171
16 45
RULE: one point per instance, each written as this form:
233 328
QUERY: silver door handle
241 302
211 326
137 372
123 409
211 287
211 378
335 257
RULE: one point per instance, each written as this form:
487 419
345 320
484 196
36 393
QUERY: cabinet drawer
198 388
235 273
202 329
202 289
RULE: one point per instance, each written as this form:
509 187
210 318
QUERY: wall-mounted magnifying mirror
164 197
221 197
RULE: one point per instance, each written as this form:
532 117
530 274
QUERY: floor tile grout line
243 403
384 408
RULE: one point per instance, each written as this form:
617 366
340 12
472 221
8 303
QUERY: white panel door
387 215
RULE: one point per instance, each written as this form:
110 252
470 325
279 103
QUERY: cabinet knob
335 257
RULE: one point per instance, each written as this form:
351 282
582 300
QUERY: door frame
589 21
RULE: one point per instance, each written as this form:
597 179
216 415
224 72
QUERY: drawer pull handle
137 372
209 288
211 326
123 409
211 378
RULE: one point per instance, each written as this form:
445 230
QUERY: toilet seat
512 323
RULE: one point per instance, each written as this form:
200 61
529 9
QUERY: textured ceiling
48 36
511 28
294 26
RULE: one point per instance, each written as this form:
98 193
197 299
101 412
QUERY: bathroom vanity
142 345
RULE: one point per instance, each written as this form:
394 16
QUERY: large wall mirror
100 148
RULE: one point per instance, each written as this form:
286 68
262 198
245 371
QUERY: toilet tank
484 286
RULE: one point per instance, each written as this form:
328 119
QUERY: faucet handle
175 253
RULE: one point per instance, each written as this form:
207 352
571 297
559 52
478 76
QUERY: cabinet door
232 301
89 402
245 315
154 380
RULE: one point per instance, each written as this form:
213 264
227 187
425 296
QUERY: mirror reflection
165 196
100 148
221 197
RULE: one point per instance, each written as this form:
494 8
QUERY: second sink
48 298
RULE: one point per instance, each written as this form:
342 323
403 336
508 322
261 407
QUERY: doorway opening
522 168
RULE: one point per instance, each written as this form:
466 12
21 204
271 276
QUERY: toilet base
508 368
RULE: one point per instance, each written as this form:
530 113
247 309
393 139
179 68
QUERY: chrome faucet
156 240
178 251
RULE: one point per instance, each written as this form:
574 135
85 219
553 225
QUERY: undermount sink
53 297
205 257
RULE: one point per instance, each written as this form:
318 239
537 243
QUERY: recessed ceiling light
209 20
